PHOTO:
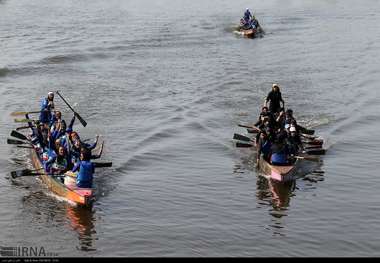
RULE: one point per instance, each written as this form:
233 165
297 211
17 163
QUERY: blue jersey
45 115
85 175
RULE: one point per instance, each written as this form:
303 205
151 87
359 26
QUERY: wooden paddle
17 142
316 151
23 127
242 138
25 120
101 165
25 172
84 123
18 113
314 142
243 145
25 146
308 158
20 136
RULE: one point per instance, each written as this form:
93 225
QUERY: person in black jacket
275 99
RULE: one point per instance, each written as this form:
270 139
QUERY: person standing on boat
86 170
247 16
47 105
274 98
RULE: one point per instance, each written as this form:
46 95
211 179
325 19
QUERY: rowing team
278 138
60 148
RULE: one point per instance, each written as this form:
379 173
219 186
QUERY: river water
165 84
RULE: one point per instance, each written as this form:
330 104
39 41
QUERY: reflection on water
47 211
82 221
276 193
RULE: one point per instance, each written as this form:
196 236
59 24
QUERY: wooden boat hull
278 173
249 33
80 196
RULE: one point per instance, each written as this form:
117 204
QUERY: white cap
292 129
50 93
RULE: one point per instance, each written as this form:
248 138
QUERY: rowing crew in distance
278 140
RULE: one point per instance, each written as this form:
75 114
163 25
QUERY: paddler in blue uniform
47 105
86 170
280 152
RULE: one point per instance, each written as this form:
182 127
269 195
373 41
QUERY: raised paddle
16 142
20 136
84 123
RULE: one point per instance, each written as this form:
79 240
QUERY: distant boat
250 30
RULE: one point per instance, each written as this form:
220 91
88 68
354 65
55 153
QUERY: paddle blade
84 123
251 131
308 158
18 135
24 120
313 147
308 132
106 164
16 142
19 113
244 126
243 145
241 137
316 151
20 173
25 146
315 142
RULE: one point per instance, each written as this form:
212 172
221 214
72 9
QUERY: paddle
254 128
305 130
16 142
18 113
316 151
20 136
25 172
100 165
84 123
242 138
308 158
23 127
252 131
25 146
313 147
243 145
314 142
25 120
